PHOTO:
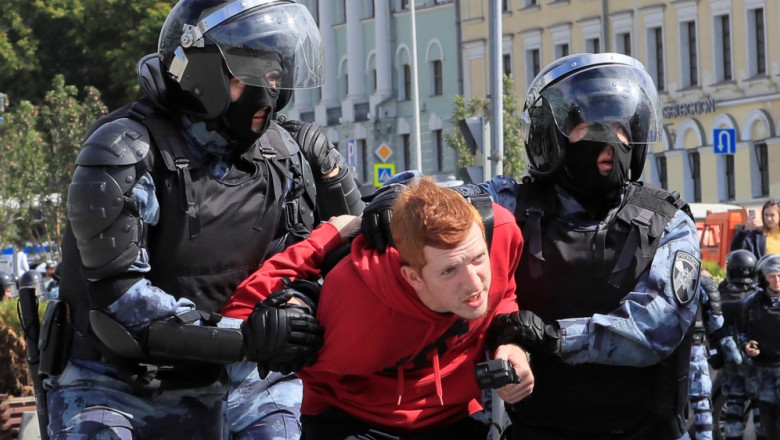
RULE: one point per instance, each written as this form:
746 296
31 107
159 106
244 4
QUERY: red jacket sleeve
300 260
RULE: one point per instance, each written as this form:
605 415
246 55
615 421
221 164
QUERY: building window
404 5
690 64
407 148
533 64
407 91
505 6
508 65
762 158
624 43
731 187
723 48
528 3
657 57
660 166
439 147
437 78
373 75
561 50
592 45
758 48
694 163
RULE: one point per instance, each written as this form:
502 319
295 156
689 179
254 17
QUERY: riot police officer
608 281
758 323
176 198
9 286
738 385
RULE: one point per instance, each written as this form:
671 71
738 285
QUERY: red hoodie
387 359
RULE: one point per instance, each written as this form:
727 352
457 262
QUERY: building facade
716 64
366 104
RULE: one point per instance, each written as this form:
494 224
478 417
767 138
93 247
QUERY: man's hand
323 157
280 336
515 392
526 329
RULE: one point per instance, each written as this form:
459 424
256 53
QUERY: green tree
514 153
38 146
64 119
24 172
89 42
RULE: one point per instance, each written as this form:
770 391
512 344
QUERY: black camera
495 374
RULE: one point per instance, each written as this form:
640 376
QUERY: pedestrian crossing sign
382 173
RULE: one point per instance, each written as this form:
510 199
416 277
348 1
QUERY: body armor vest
568 272
235 217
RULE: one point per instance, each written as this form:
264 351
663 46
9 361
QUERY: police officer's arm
651 320
337 190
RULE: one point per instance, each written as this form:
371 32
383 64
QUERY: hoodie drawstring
437 377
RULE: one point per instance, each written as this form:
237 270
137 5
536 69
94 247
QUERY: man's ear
412 276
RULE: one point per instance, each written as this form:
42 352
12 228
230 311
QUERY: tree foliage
90 42
38 145
514 153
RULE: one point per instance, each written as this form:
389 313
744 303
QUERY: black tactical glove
281 337
526 329
375 223
322 155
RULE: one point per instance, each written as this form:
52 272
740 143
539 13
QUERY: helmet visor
277 46
622 97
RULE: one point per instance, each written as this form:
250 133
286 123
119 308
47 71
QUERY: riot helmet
32 279
767 265
741 268
8 283
267 45
608 99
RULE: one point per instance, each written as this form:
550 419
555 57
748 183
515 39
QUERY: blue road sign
351 148
724 140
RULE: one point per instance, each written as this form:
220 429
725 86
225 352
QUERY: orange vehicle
716 224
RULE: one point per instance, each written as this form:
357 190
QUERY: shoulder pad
276 135
119 142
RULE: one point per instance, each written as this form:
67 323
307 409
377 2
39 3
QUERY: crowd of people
222 278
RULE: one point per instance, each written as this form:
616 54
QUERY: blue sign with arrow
725 140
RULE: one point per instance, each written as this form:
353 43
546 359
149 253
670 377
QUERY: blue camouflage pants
700 392
263 409
90 401
769 399
740 387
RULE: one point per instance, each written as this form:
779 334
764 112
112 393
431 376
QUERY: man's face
773 282
605 158
454 280
258 119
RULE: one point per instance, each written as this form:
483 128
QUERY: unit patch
685 276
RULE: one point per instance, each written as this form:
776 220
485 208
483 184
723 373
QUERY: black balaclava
580 174
236 122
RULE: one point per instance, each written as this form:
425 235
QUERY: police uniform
174 201
608 280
